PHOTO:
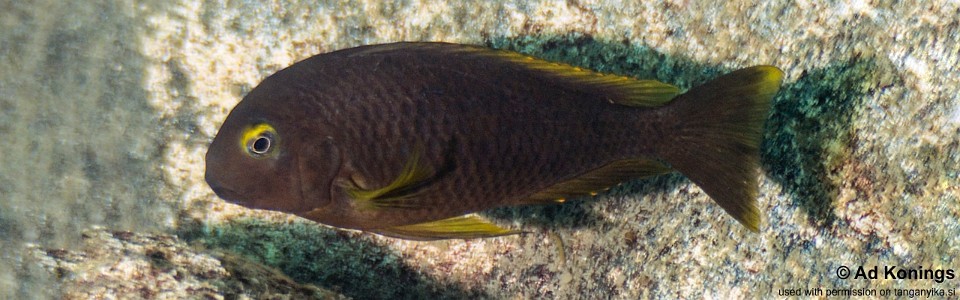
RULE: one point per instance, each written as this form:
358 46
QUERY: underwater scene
589 149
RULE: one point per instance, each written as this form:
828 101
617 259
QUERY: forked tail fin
714 137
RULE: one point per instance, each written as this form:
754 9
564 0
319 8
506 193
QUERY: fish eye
259 140
261 145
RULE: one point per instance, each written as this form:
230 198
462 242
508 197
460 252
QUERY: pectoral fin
462 227
401 192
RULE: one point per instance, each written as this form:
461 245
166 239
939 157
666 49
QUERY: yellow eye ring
259 140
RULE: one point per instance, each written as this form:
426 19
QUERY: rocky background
107 107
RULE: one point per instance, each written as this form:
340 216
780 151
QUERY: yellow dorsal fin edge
633 92
624 90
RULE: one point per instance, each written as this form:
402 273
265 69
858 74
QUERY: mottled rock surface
127 265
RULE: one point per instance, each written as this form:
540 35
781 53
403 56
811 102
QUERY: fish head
263 157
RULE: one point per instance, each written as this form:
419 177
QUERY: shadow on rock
340 261
809 132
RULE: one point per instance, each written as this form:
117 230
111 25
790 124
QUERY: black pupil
261 145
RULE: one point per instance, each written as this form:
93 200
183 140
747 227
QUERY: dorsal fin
621 90
598 180
629 91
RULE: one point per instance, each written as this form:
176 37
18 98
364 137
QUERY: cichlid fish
409 139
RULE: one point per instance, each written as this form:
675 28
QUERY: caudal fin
714 137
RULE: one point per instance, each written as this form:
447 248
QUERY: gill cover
318 165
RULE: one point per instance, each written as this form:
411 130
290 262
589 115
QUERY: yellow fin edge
622 90
461 227
599 179
633 92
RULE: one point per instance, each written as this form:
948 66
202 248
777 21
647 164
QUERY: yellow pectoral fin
462 227
401 191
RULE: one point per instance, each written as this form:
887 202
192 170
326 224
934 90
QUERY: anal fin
599 179
462 227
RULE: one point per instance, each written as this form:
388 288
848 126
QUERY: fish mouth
224 193
233 197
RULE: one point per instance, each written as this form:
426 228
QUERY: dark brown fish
406 139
